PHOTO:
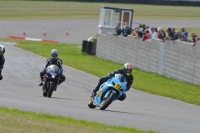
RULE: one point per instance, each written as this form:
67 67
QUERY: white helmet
54 53
2 50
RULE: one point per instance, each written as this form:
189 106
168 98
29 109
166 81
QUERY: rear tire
50 90
90 104
106 102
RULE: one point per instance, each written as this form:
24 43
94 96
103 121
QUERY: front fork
45 81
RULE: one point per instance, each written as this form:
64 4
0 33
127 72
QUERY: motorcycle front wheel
106 102
50 89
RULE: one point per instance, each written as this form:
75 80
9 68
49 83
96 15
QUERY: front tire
106 102
50 90
90 104
44 94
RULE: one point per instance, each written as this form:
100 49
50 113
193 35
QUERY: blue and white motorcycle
108 92
51 80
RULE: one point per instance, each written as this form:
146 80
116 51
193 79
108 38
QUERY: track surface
20 89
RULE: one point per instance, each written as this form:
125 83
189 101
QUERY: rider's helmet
2 50
127 68
54 53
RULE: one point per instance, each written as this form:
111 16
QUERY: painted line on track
32 39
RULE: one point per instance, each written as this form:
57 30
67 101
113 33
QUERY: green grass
145 81
49 9
17 121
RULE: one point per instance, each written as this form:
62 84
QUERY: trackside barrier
174 59
89 47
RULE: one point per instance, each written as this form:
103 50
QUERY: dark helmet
54 53
2 50
128 69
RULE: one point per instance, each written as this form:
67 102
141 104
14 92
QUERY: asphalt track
19 89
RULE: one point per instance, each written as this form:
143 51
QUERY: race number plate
117 86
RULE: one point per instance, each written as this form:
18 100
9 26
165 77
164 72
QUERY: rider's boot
94 93
41 83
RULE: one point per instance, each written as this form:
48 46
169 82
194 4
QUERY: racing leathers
129 79
53 61
2 61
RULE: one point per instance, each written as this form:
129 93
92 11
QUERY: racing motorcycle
108 92
51 80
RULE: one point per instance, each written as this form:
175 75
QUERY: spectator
118 29
126 30
146 35
175 34
135 32
182 37
195 38
154 33
156 30
170 34
184 32
150 33
140 28
161 33
140 34
144 27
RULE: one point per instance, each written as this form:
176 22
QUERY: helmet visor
54 55
128 70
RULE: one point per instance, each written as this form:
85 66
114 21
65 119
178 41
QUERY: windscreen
121 77
53 68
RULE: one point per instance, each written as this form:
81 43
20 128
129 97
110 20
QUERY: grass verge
145 81
12 9
17 121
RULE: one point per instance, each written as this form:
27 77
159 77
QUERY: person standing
118 29
126 30
195 38
184 32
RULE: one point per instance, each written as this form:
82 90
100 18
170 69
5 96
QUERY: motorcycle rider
53 60
2 59
126 71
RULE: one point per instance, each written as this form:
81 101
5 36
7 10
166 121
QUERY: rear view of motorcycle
51 80
108 92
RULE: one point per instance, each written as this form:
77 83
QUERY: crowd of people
146 33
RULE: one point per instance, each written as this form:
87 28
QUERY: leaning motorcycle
108 92
51 80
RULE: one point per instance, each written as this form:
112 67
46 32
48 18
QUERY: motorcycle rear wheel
106 102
